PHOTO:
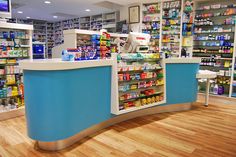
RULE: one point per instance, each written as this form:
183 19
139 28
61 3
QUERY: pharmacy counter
66 101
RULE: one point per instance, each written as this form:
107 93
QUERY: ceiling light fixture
88 10
55 17
28 17
20 12
47 2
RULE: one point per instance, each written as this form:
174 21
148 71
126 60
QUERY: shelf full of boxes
187 28
50 39
58 33
96 22
152 24
15 45
171 28
214 42
109 21
140 81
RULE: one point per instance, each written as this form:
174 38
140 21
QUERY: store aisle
200 132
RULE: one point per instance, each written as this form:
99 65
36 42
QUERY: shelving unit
58 33
50 39
76 23
109 21
15 45
171 28
96 22
214 42
140 83
85 23
187 27
152 24
40 31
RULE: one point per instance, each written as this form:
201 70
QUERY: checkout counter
67 101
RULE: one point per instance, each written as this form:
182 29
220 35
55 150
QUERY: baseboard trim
61 144
12 114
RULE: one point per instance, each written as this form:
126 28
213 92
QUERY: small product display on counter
105 45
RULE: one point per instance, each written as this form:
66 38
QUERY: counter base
61 144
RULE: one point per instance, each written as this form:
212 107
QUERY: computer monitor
5 9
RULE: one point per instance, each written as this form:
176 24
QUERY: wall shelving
171 28
109 21
52 32
151 24
50 39
187 27
15 45
96 22
214 42
85 23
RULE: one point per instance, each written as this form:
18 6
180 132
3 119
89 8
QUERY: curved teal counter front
62 103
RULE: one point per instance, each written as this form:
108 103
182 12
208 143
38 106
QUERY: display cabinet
140 82
15 45
171 28
214 42
151 24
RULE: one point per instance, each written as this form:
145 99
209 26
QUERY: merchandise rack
74 36
151 15
214 42
171 28
140 92
11 76
187 27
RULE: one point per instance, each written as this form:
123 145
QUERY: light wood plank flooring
201 132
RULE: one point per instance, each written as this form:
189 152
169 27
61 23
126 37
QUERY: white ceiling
37 9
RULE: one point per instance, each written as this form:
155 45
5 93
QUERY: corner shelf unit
214 42
15 45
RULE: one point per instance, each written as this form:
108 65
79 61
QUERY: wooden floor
201 132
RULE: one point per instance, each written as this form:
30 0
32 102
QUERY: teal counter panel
60 104
181 84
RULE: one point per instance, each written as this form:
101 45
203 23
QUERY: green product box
25 53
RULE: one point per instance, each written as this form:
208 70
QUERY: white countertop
182 60
58 64
206 74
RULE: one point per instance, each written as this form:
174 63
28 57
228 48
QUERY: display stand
73 38
140 83
171 28
152 24
16 44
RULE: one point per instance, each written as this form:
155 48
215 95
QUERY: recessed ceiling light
28 17
19 12
88 10
47 2
55 17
